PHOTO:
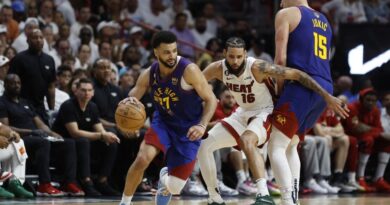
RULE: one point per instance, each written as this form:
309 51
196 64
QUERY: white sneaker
245 188
327 186
225 190
312 184
356 185
194 188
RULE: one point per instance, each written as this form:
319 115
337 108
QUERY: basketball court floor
361 199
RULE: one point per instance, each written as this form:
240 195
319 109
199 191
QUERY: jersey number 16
320 49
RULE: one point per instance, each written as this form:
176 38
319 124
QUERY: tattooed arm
266 69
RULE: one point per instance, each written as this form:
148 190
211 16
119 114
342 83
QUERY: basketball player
303 38
249 81
177 88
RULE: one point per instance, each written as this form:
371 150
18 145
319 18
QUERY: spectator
137 39
13 159
344 11
107 96
131 56
258 50
3 38
157 17
8 20
47 32
20 43
63 76
365 124
132 12
200 32
214 22
78 119
62 48
105 51
377 11
180 29
46 15
383 157
10 53
86 37
3 72
65 7
21 116
83 57
179 6
36 70
84 14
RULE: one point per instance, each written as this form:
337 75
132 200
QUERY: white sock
383 159
126 200
363 159
261 185
351 176
338 171
214 195
240 176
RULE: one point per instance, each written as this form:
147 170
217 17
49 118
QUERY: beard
235 71
166 64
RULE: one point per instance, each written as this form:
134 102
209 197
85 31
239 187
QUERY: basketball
130 116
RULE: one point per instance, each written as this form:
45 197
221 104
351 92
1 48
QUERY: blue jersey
177 108
309 44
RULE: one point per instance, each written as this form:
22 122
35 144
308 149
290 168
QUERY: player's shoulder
288 12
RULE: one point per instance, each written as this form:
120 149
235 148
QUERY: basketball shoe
264 200
163 197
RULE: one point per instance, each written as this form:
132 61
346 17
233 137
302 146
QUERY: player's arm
213 71
280 72
140 88
194 77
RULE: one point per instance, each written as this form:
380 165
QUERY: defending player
248 80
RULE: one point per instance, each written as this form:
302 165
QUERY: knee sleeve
175 184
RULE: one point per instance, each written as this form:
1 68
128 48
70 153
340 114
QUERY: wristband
201 125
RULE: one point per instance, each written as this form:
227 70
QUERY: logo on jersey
281 119
240 88
166 98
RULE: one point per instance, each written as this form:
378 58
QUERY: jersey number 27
320 49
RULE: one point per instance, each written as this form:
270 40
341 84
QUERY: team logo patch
26 107
88 119
281 119
47 67
174 81
114 94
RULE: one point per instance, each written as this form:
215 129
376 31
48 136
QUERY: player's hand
110 138
196 132
337 106
3 142
131 100
14 136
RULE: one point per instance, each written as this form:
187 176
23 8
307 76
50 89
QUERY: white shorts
253 120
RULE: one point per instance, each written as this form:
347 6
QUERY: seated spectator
78 119
364 123
344 11
257 50
377 11
17 113
3 72
13 159
83 57
383 157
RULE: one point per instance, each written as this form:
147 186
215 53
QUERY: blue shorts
180 153
298 107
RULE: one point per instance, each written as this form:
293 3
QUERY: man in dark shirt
37 73
78 118
17 113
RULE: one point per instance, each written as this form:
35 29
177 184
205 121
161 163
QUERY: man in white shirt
20 43
3 72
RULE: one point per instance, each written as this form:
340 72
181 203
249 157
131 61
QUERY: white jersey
249 94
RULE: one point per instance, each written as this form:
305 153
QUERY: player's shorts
255 121
180 153
298 107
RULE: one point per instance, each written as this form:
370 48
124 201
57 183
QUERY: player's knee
344 141
175 184
248 141
142 161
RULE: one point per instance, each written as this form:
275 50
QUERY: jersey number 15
320 49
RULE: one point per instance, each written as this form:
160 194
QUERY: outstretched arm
280 72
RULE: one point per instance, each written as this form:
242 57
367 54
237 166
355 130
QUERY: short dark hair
235 42
83 80
179 15
163 37
62 68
